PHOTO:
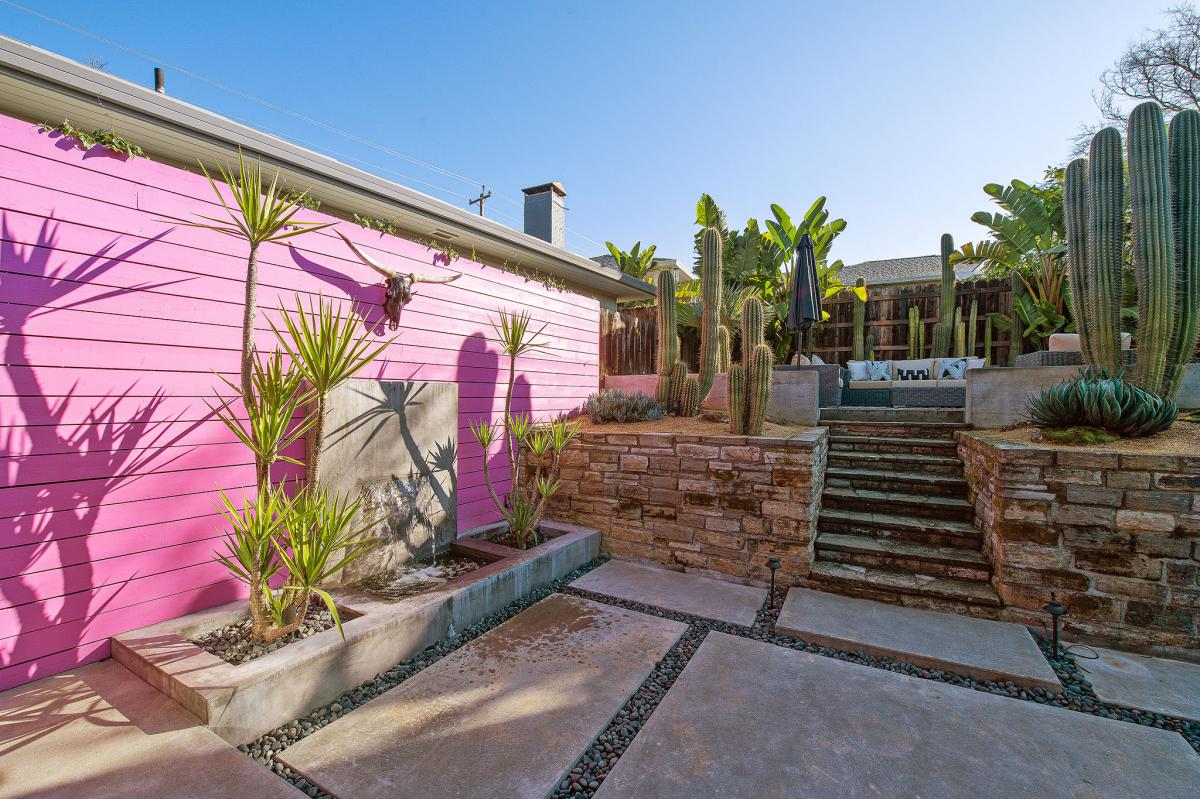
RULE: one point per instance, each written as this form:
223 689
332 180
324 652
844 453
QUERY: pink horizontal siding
114 327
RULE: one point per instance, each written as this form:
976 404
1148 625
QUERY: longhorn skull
399 284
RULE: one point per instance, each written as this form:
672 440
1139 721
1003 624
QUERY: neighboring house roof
891 271
40 86
681 272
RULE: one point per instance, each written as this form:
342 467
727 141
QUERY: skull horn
368 260
438 279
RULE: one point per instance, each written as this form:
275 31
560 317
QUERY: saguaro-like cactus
943 331
972 327
668 338
724 349
710 309
1016 288
987 340
915 326
859 317
960 335
1164 189
750 381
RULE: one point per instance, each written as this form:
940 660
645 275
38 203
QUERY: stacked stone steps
896 462
895 522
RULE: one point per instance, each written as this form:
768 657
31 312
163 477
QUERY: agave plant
527 443
1098 399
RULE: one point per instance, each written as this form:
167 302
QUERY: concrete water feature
506 715
980 648
748 719
241 702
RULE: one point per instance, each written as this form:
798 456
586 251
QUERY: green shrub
1102 400
614 405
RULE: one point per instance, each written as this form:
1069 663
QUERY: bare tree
1163 66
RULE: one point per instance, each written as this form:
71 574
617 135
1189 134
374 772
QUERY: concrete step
898 461
905 556
846 413
913 590
909 504
841 442
886 525
909 482
892 429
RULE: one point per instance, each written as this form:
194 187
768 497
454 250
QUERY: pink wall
112 323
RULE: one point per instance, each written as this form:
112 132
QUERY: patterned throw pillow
879 370
952 369
914 374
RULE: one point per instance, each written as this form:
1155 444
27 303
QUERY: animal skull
399 284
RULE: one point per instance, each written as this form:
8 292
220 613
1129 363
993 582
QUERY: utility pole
483 195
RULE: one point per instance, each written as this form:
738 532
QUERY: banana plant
637 262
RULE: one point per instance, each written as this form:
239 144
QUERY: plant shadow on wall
62 464
424 498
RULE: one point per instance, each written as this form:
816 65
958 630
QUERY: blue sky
897 112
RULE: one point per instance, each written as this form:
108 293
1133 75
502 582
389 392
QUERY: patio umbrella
804 304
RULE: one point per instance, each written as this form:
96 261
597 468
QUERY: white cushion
817 359
858 369
976 363
952 368
800 360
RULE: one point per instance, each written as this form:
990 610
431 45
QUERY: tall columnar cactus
987 340
915 328
689 398
972 327
668 338
750 380
1016 288
869 347
859 317
710 309
675 384
724 349
943 331
1164 189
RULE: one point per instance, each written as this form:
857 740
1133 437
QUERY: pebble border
598 759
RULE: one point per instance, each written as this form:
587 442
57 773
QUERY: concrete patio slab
1170 687
684 593
506 715
100 732
749 719
980 648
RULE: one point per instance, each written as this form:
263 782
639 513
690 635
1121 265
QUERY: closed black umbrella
804 304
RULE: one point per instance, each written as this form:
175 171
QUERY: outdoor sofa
919 383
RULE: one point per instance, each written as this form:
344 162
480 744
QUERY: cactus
1016 288
869 347
859 315
915 328
750 381
724 349
921 341
737 398
758 387
972 327
675 383
689 399
1164 189
960 335
943 331
710 309
987 341
668 339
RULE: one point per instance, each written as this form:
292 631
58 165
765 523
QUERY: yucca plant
524 505
326 350
270 426
257 216
250 552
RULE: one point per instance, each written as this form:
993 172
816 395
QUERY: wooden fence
628 336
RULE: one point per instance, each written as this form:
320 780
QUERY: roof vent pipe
160 82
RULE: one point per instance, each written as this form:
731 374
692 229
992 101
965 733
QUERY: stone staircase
895 522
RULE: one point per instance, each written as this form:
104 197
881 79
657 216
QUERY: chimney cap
542 188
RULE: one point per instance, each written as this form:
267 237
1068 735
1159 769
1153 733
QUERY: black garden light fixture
773 564
1056 610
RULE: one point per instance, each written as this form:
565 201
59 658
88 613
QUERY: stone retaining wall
1117 536
717 505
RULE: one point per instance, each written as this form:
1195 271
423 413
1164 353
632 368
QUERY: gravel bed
589 771
233 645
505 538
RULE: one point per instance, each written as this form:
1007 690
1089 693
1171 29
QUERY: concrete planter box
240 703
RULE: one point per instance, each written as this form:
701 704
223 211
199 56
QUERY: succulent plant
736 393
987 340
668 339
724 349
711 286
972 327
614 405
859 318
1100 399
689 398
750 381
915 331
675 382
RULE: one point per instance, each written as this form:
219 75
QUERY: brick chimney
545 212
